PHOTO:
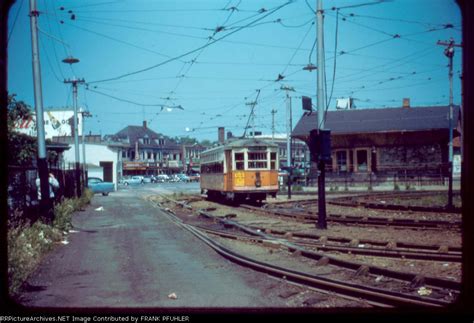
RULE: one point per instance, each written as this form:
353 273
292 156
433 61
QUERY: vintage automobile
133 180
96 185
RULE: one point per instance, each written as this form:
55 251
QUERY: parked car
183 178
148 179
162 178
97 185
133 180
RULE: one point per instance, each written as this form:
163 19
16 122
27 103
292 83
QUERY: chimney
221 135
406 102
144 124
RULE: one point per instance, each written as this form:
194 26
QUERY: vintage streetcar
242 169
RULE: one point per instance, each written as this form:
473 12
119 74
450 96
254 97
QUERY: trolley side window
213 168
257 160
239 161
273 157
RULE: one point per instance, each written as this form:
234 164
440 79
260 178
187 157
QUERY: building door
108 171
361 156
373 160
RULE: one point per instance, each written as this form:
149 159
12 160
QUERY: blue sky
384 52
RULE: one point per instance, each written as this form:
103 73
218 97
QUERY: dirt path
131 255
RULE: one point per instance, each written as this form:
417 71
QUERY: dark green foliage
22 149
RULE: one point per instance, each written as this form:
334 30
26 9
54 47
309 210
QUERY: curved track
375 296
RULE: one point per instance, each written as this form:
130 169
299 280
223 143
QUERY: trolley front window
239 161
257 160
273 157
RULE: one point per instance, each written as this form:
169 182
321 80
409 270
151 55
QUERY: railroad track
376 248
374 295
359 220
369 248
350 202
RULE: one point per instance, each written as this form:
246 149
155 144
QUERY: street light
70 60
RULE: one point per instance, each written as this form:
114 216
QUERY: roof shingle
378 120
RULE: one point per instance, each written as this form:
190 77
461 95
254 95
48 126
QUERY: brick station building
388 141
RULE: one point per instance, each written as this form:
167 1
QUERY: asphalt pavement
126 253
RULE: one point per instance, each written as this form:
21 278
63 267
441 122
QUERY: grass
434 200
28 243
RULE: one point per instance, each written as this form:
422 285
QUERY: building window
257 160
146 140
239 161
341 158
362 160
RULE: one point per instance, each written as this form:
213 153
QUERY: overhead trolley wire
125 100
14 21
118 40
191 51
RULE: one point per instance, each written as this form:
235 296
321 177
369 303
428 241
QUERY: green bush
26 246
27 243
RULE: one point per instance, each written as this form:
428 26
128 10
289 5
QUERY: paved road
167 188
131 255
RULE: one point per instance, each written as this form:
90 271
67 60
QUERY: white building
103 159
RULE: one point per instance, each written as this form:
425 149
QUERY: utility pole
449 52
74 83
273 124
84 114
321 100
288 135
45 201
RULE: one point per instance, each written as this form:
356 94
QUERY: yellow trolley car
240 169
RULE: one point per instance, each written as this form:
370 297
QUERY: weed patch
28 243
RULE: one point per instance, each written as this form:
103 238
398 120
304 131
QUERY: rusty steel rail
348 201
408 277
404 276
402 246
365 251
375 296
360 220
453 251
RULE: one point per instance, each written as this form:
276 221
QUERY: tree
22 149
206 143
187 140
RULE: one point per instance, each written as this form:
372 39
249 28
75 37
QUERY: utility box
320 145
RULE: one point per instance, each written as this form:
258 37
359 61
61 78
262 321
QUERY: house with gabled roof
378 141
146 152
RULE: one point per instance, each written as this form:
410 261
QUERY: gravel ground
451 271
